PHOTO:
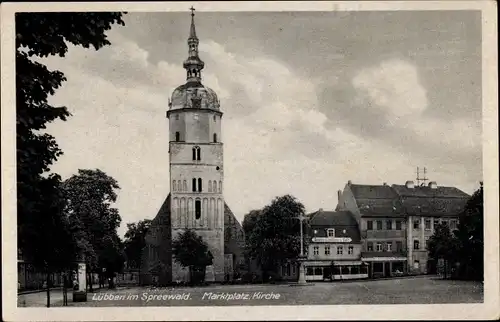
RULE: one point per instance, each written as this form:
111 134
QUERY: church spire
193 64
192 32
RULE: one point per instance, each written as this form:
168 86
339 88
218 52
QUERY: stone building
334 250
396 222
196 200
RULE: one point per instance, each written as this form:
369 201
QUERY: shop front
335 270
385 266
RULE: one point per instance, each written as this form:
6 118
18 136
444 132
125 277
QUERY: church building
196 200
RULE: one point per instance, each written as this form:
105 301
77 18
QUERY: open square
414 290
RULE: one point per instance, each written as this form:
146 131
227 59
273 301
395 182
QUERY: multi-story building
382 228
425 207
334 247
396 222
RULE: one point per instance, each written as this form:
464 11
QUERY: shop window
318 271
309 271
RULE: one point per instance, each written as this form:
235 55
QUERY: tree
43 34
470 237
443 245
191 251
94 222
135 241
273 236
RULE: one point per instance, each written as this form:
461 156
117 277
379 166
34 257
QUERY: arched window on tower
209 185
215 186
194 184
177 136
220 186
197 208
199 185
185 186
215 137
197 153
174 186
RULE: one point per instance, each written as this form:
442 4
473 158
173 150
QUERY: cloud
278 135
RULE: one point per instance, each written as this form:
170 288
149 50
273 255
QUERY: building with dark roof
334 248
396 222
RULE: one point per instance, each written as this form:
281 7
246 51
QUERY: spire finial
192 33
193 64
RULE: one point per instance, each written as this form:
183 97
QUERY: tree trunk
91 290
48 289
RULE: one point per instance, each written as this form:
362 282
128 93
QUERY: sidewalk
39 298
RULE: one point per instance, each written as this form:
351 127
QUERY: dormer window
330 232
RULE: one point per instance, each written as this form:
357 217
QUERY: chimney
349 182
410 184
385 184
433 185
339 194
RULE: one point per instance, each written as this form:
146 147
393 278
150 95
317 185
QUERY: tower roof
193 94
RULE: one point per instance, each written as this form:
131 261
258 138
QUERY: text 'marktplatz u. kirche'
196 199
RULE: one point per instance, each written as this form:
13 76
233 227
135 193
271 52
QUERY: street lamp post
302 275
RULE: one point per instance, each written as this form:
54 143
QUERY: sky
310 101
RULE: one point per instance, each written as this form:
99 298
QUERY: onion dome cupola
193 94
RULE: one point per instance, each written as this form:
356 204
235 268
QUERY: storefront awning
383 259
329 263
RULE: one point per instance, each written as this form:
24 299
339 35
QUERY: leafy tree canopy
135 241
43 34
273 235
94 222
190 250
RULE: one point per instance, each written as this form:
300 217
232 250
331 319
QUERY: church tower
196 162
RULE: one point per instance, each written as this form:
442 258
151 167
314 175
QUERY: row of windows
195 116
178 137
427 223
416 224
384 246
379 225
388 246
327 249
196 185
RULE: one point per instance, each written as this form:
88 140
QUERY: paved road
394 291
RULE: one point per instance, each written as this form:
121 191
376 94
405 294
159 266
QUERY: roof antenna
421 181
